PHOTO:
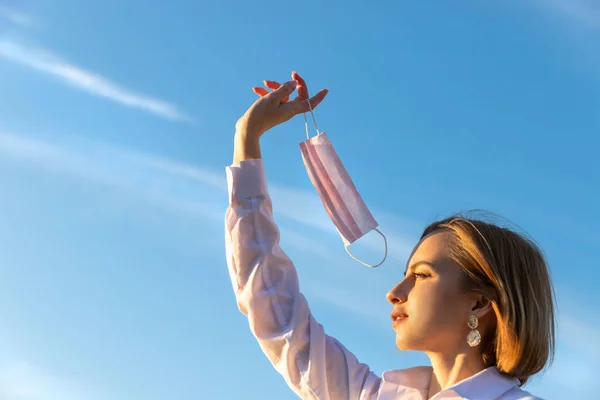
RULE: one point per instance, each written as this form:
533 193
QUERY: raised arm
314 365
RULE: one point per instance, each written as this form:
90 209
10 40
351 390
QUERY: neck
450 369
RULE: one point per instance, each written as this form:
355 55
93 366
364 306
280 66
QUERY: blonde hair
510 270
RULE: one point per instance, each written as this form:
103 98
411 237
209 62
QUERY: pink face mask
343 203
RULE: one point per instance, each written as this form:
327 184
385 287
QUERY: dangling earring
474 337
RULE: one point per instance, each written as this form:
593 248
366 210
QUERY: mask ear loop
378 231
364 263
313 118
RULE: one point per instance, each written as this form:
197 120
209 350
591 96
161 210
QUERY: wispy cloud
200 191
576 14
90 82
21 380
581 334
584 13
16 17
577 357
157 180
289 200
578 322
188 188
349 300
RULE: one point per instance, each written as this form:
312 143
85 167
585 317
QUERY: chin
407 342
406 345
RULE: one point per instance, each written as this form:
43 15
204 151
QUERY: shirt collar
488 383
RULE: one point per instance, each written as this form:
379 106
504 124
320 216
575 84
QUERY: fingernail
292 83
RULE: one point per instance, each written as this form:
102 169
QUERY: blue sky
116 124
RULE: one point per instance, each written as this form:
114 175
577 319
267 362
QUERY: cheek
434 320
435 308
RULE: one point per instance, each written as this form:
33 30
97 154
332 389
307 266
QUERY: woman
475 297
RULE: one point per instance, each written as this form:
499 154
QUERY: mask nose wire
313 118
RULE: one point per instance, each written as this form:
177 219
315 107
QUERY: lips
398 316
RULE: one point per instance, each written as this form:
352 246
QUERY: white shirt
314 365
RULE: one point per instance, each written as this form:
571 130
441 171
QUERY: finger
272 84
299 98
302 88
260 91
283 91
299 107
276 85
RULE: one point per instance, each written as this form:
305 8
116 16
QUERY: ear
480 306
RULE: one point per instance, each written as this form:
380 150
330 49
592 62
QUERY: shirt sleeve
265 282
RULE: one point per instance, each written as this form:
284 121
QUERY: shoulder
517 393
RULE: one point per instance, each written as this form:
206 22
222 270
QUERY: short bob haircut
510 270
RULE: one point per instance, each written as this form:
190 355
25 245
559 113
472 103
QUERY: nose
396 295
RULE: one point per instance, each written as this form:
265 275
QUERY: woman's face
431 308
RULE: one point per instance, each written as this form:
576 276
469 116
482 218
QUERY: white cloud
47 63
584 13
581 333
200 192
22 381
305 243
159 181
576 359
16 17
187 188
577 349
290 200
356 303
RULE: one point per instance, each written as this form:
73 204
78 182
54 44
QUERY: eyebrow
415 265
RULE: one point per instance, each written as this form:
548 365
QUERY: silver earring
474 337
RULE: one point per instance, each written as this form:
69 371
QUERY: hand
274 108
